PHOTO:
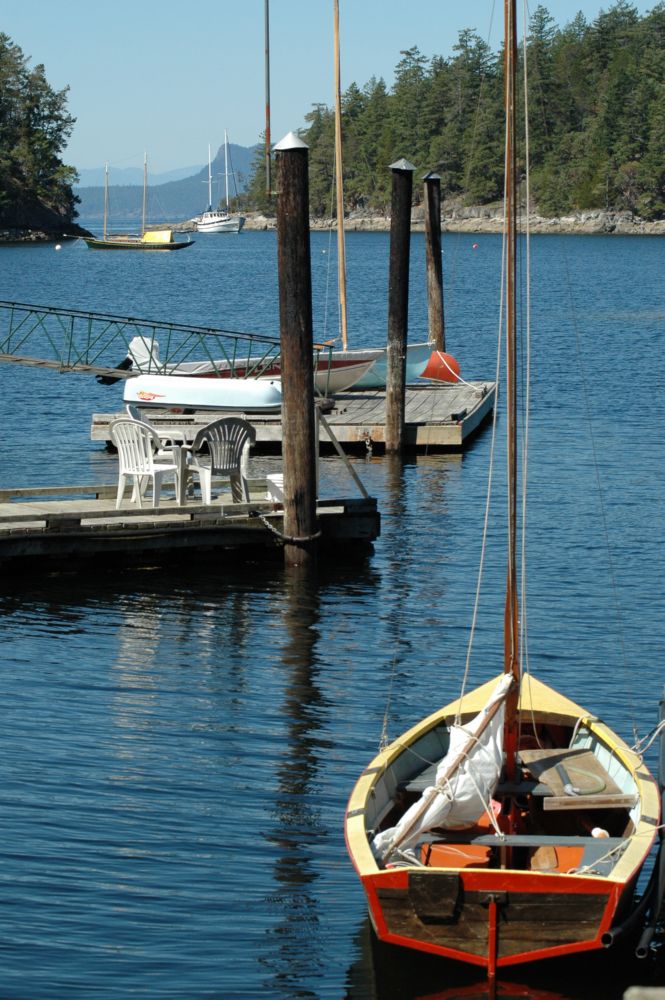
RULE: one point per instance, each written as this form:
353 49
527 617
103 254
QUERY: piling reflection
297 829
387 972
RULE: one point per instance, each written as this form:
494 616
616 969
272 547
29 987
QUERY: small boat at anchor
151 240
511 825
219 220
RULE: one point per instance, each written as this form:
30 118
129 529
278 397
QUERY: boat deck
437 417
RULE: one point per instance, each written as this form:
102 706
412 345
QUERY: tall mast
226 168
106 198
145 192
209 179
266 18
511 635
341 248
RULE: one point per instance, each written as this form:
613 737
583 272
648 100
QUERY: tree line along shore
597 135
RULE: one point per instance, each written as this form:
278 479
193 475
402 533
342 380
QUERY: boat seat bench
548 777
594 848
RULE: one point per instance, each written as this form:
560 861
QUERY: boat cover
158 236
462 798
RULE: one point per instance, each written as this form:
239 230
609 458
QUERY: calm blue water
177 749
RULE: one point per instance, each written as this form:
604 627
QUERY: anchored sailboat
148 239
219 221
524 837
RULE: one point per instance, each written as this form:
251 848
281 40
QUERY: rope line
287 539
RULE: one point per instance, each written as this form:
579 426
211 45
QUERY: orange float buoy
442 367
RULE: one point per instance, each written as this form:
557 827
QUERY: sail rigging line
641 746
601 502
383 739
490 480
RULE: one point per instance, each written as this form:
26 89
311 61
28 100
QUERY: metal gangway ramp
70 340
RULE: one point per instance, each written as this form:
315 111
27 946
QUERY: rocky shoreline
487 219
474 220
24 234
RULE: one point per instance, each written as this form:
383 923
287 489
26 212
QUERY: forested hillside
597 120
35 185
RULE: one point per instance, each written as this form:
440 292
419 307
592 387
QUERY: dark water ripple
178 748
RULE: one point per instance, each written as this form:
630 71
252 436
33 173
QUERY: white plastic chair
227 443
138 445
165 444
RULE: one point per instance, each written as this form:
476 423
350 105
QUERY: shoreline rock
23 234
485 219
454 219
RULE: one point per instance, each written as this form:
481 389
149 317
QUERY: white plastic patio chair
165 444
222 448
138 445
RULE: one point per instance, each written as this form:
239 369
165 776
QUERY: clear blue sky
168 76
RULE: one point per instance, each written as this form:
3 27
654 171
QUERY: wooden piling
296 337
398 302
437 327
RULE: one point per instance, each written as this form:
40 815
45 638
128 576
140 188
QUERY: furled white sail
461 796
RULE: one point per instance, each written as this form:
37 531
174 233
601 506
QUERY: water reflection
298 830
387 972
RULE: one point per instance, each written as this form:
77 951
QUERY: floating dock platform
60 526
437 417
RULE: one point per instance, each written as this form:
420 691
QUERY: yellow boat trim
544 703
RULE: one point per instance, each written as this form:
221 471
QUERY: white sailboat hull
417 356
330 376
219 222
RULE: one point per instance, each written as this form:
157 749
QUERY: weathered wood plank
528 921
63 530
436 416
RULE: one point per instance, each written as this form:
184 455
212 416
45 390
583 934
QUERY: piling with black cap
398 302
435 314
296 337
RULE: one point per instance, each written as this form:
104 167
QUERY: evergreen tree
34 129
596 119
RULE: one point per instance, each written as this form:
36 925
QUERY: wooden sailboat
524 839
151 240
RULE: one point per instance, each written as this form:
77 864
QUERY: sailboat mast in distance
341 248
106 198
226 168
145 193
266 13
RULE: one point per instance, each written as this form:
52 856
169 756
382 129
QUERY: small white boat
165 391
417 356
331 375
219 220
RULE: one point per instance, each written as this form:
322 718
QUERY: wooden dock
60 526
438 417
